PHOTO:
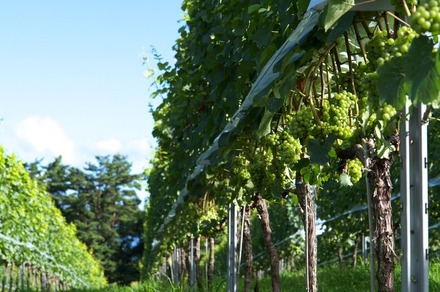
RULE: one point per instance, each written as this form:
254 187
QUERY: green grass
330 279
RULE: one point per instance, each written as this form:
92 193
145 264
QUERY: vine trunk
260 205
384 234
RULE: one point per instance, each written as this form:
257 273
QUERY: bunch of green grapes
239 171
272 140
426 18
387 111
289 149
378 109
405 36
370 81
260 171
381 48
355 169
343 81
301 123
336 117
361 88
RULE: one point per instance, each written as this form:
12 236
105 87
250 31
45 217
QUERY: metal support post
193 266
176 266
232 248
405 199
419 200
364 249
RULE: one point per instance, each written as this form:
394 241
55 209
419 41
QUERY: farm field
331 279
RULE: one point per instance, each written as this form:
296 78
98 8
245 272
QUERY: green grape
289 149
302 123
344 82
387 111
260 173
381 48
337 118
426 18
240 173
355 169
272 139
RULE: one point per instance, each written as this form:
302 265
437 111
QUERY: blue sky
71 76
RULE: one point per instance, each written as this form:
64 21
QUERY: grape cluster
381 48
259 169
355 169
336 115
301 124
426 17
343 81
272 140
387 111
239 171
289 149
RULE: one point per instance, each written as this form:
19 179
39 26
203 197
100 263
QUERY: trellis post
414 192
192 265
405 199
175 270
232 248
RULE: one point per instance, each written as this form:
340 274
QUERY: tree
101 201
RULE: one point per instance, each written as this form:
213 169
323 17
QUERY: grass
330 279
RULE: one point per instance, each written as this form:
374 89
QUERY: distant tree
101 201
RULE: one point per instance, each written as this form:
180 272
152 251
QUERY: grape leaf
319 151
342 26
257 94
333 11
422 70
385 150
295 199
264 127
391 83
253 8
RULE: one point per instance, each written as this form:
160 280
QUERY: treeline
101 201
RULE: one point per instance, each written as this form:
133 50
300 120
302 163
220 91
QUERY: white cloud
43 136
108 146
141 146
46 136
139 151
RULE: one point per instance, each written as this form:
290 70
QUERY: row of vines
38 249
272 104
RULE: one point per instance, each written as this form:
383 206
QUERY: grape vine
33 231
316 102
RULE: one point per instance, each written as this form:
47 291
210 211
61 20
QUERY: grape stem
366 27
405 6
398 19
379 23
387 24
359 40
